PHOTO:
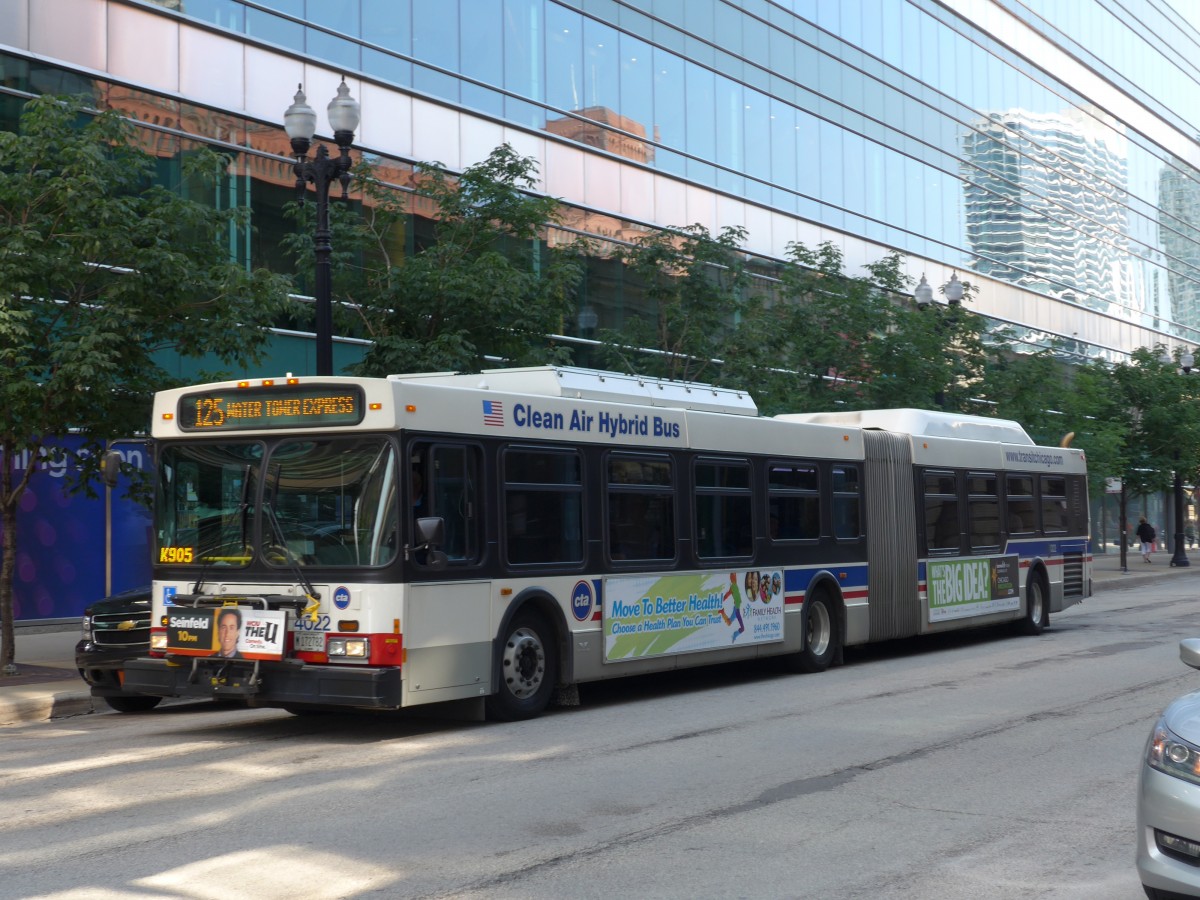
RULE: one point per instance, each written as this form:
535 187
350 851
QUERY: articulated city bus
389 542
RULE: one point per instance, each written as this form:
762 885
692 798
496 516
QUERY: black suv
115 629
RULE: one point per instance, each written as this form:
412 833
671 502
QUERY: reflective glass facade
936 129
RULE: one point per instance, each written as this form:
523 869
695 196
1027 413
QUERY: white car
1168 813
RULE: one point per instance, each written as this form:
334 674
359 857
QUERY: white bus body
417 539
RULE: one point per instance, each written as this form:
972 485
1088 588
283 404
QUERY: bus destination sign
239 409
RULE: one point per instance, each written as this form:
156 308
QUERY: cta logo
341 598
581 601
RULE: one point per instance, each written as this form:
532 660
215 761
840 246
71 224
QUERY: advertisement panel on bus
656 615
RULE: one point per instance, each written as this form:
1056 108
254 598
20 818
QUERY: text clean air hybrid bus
384 543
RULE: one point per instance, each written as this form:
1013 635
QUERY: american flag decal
493 413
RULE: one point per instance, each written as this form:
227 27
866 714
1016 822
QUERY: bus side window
847 523
983 510
794 492
1054 504
543 506
724 510
1022 509
450 492
641 507
942 530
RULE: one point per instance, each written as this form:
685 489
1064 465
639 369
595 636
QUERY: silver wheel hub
523 664
819 630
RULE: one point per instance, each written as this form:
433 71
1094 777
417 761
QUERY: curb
1138 579
41 707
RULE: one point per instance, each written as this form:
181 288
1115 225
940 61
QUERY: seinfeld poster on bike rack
961 588
230 632
652 615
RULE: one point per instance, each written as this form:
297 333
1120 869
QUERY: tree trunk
8 561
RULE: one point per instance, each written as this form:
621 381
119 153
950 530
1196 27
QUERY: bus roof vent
922 422
592 384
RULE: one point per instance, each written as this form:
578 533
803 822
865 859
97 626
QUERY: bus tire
820 633
1037 605
527 669
133 703
305 711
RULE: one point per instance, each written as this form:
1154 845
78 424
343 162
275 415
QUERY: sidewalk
48 685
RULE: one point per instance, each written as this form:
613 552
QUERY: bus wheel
820 634
1037 610
528 670
133 703
305 711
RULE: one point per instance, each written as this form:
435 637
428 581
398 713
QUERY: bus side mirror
431 534
110 467
431 530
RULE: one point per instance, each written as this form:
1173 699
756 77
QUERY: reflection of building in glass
1179 237
814 123
604 129
1045 207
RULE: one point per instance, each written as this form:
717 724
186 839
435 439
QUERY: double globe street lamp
952 290
300 123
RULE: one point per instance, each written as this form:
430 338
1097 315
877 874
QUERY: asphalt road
979 765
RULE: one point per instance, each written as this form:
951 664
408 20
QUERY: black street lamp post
953 291
300 122
1178 557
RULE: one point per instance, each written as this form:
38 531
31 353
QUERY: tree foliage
100 270
807 336
694 283
486 284
1026 387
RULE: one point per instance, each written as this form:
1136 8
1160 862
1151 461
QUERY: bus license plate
310 641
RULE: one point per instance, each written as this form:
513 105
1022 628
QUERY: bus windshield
308 502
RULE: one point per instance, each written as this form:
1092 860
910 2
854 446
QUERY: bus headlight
354 648
158 641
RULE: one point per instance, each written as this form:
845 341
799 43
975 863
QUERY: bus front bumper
285 683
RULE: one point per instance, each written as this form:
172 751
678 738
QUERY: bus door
446 620
895 604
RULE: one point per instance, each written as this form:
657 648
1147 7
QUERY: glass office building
1044 150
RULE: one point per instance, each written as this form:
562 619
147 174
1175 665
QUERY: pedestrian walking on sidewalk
1147 535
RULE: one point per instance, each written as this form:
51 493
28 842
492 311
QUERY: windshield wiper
277 531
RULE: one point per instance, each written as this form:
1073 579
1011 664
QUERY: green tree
486 284
1137 420
101 269
1019 387
827 321
932 357
1099 421
695 284
860 342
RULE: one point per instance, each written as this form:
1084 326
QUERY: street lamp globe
923 294
343 112
953 290
300 122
